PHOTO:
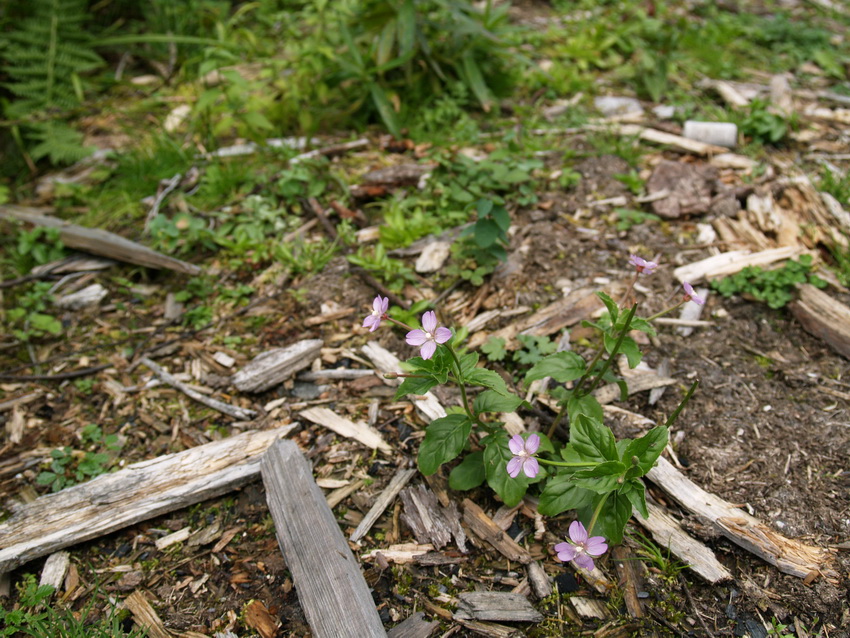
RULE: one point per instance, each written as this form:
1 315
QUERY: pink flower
690 295
642 265
378 314
430 336
523 451
579 548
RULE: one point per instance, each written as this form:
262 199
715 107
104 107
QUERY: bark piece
99 242
667 532
630 579
415 626
387 496
243 414
690 188
433 256
496 605
824 317
331 589
488 531
539 580
275 366
257 617
429 521
788 555
139 492
55 568
358 431
145 616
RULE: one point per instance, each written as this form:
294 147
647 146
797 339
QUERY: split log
99 242
275 366
788 555
360 431
387 496
141 491
331 589
496 605
667 532
824 317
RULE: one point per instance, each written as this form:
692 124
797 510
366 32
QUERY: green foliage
393 272
481 247
36 247
69 467
494 348
32 617
837 185
773 287
27 318
763 125
628 218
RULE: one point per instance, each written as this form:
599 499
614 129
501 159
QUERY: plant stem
562 464
672 418
596 513
664 312
614 350
462 385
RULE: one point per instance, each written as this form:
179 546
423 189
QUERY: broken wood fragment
487 530
141 491
788 555
630 579
824 317
415 626
54 570
496 605
331 589
429 521
258 618
359 431
729 263
98 242
145 616
590 607
539 580
398 481
242 414
274 366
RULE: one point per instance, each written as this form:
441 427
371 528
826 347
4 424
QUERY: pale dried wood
21 400
668 139
54 570
496 605
539 580
329 316
402 476
590 607
630 579
824 317
242 414
667 532
359 431
98 242
139 492
145 616
729 263
331 151
338 496
429 521
639 383
15 425
335 374
488 531
275 366
401 553
331 589
788 555
88 296
388 363
730 94
415 626
172 539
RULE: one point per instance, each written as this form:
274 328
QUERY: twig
170 185
62 376
381 288
242 414
316 207
330 151
694 607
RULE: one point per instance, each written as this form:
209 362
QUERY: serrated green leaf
610 304
561 366
561 494
601 479
444 441
488 379
490 401
592 440
415 385
487 232
646 449
587 405
469 474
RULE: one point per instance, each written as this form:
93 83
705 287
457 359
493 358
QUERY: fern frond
58 142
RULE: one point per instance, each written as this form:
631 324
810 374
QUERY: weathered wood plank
332 591
139 492
496 605
788 555
275 366
824 317
429 521
98 242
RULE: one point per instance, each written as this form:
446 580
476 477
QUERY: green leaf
45 478
646 450
475 80
494 348
561 366
561 494
601 479
613 516
415 385
488 379
469 474
444 440
490 401
406 28
592 440
610 304
468 362
502 218
385 109
635 491
584 405
496 457
487 232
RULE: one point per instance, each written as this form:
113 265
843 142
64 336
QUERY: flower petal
442 334
428 349
429 321
516 444
514 466
531 467
416 337
369 322
378 306
578 534
532 443
584 561
385 304
596 546
566 552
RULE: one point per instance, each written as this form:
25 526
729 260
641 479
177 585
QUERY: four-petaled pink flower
579 548
523 451
428 338
642 265
378 314
691 295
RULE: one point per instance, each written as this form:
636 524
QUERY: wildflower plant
590 472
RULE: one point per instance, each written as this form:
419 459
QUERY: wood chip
590 607
415 626
824 317
358 431
494 605
487 530
54 570
258 618
177 537
398 481
430 521
401 553
331 589
145 616
275 366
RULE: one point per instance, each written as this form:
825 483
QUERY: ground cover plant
444 169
